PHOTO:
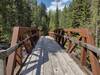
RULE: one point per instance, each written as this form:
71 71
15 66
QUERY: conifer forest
78 14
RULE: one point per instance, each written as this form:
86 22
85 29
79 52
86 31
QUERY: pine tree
65 18
3 13
14 12
40 18
52 18
57 18
24 12
80 13
44 19
95 9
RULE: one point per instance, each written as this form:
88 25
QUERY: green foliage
12 13
57 18
80 13
65 18
51 14
40 18
24 11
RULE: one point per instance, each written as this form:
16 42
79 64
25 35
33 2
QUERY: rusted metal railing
23 40
85 40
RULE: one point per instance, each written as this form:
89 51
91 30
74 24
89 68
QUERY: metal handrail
7 52
81 43
87 43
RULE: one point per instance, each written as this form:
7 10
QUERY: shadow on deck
48 58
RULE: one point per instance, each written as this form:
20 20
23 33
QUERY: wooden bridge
55 54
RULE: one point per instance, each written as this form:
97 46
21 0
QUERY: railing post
55 37
11 58
18 57
62 38
69 42
73 46
58 40
93 59
28 47
83 53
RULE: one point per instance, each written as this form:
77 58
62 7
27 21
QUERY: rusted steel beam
18 56
11 58
83 53
7 52
65 40
77 31
81 43
28 46
87 43
14 53
93 58
74 45
72 48
62 38
69 41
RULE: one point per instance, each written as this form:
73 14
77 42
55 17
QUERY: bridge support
87 43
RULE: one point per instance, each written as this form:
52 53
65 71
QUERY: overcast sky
51 4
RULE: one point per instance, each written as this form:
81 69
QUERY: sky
52 4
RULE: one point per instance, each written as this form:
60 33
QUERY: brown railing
84 39
13 59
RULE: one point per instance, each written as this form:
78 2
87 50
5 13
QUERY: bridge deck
48 58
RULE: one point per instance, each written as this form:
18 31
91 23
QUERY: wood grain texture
48 58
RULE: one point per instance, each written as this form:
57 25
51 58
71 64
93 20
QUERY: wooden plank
34 63
31 64
39 67
25 66
64 66
53 47
31 68
50 59
55 64
47 67
75 68
59 58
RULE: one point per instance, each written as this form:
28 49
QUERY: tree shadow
45 45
